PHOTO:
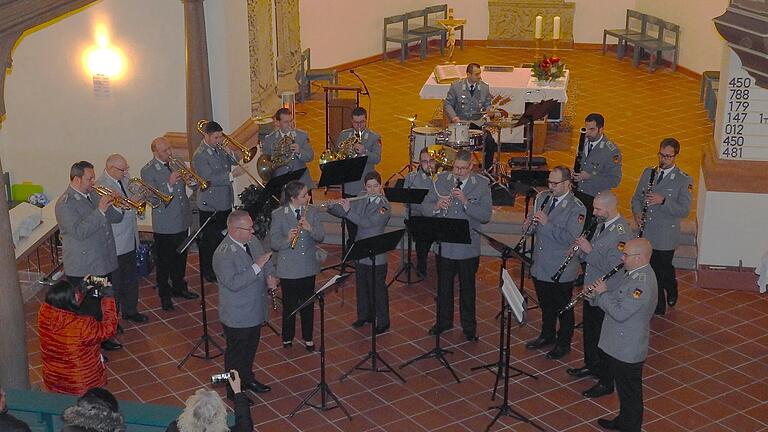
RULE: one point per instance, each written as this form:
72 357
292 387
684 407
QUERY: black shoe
309 345
166 303
660 312
558 352
539 342
672 299
139 318
435 330
187 294
111 345
597 390
381 330
258 387
471 337
287 344
120 329
231 396
210 277
581 372
359 323
608 424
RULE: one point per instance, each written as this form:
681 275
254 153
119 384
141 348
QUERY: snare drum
476 140
458 133
423 136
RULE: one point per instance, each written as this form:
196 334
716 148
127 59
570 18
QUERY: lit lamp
103 62
289 101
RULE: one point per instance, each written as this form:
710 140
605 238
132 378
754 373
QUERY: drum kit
457 136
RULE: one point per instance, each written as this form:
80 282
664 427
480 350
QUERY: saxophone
295 238
344 150
644 214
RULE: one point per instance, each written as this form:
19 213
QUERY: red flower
555 60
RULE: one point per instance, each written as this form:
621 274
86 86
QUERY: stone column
198 79
264 100
288 44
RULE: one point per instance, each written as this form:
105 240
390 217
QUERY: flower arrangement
548 69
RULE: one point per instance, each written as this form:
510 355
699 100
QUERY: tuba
344 150
154 197
121 201
248 153
188 175
281 156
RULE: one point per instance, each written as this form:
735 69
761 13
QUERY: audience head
594 124
82 177
96 410
62 295
204 411
213 134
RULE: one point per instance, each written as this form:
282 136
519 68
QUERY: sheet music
332 281
513 297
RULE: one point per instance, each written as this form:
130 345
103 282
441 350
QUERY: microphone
365 87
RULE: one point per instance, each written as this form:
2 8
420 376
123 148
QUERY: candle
539 22
556 28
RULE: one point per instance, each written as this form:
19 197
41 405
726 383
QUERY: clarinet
587 233
644 214
532 226
589 290
582 142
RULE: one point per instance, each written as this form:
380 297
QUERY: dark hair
471 66
280 112
212 127
597 118
564 170
671 142
464 155
78 169
424 150
102 397
372 175
291 190
61 295
359 111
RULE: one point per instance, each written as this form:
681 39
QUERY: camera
221 378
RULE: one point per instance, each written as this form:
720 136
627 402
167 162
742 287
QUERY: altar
515 83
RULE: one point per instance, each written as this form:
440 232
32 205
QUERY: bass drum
458 134
423 137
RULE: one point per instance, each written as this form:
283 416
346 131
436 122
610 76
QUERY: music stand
440 230
205 339
274 186
505 253
337 173
532 113
407 196
369 248
322 386
514 304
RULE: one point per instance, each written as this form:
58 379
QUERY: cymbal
412 120
265 119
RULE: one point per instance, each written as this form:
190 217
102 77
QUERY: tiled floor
708 363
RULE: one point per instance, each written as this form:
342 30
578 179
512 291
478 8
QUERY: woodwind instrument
328 203
644 214
579 151
295 238
588 291
587 233
532 226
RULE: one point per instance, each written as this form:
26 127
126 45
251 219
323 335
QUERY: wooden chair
441 12
634 27
398 35
427 30
306 75
668 39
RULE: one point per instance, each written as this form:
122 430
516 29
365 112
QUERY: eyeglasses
666 156
120 169
625 255
555 183
249 229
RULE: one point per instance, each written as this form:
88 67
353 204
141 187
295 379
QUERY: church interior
160 66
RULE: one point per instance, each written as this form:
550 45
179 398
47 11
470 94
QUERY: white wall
700 44
53 117
591 17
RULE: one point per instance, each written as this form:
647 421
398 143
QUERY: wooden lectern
338 110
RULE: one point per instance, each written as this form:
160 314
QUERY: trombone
121 201
188 175
248 154
151 195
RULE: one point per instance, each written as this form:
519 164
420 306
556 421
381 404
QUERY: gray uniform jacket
371 217
628 312
372 143
460 102
607 248
125 232
477 211
302 261
177 216
305 154
243 294
418 180
662 227
215 166
603 163
555 239
86 234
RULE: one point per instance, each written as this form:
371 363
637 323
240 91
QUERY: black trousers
422 254
296 292
447 269
629 386
594 358
489 146
364 294
588 201
242 344
126 284
552 298
210 238
661 263
171 267
90 306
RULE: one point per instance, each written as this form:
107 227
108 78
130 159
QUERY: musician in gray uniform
170 224
601 255
421 179
88 244
371 214
126 234
369 145
669 201
244 272
297 266
558 223
462 195
625 331
300 151
600 163
466 101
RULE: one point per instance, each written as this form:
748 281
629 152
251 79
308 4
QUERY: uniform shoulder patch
579 203
637 293
611 145
620 246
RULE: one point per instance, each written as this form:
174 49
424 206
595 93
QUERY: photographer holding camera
205 411
70 340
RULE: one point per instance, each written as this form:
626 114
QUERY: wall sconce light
103 62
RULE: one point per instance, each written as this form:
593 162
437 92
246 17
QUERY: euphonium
151 195
121 201
248 153
644 214
188 175
344 150
281 156
586 292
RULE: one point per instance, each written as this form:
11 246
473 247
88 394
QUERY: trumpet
188 175
295 237
587 233
644 214
248 153
589 290
121 201
151 195
531 227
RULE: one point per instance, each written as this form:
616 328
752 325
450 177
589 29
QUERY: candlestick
556 28
539 23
